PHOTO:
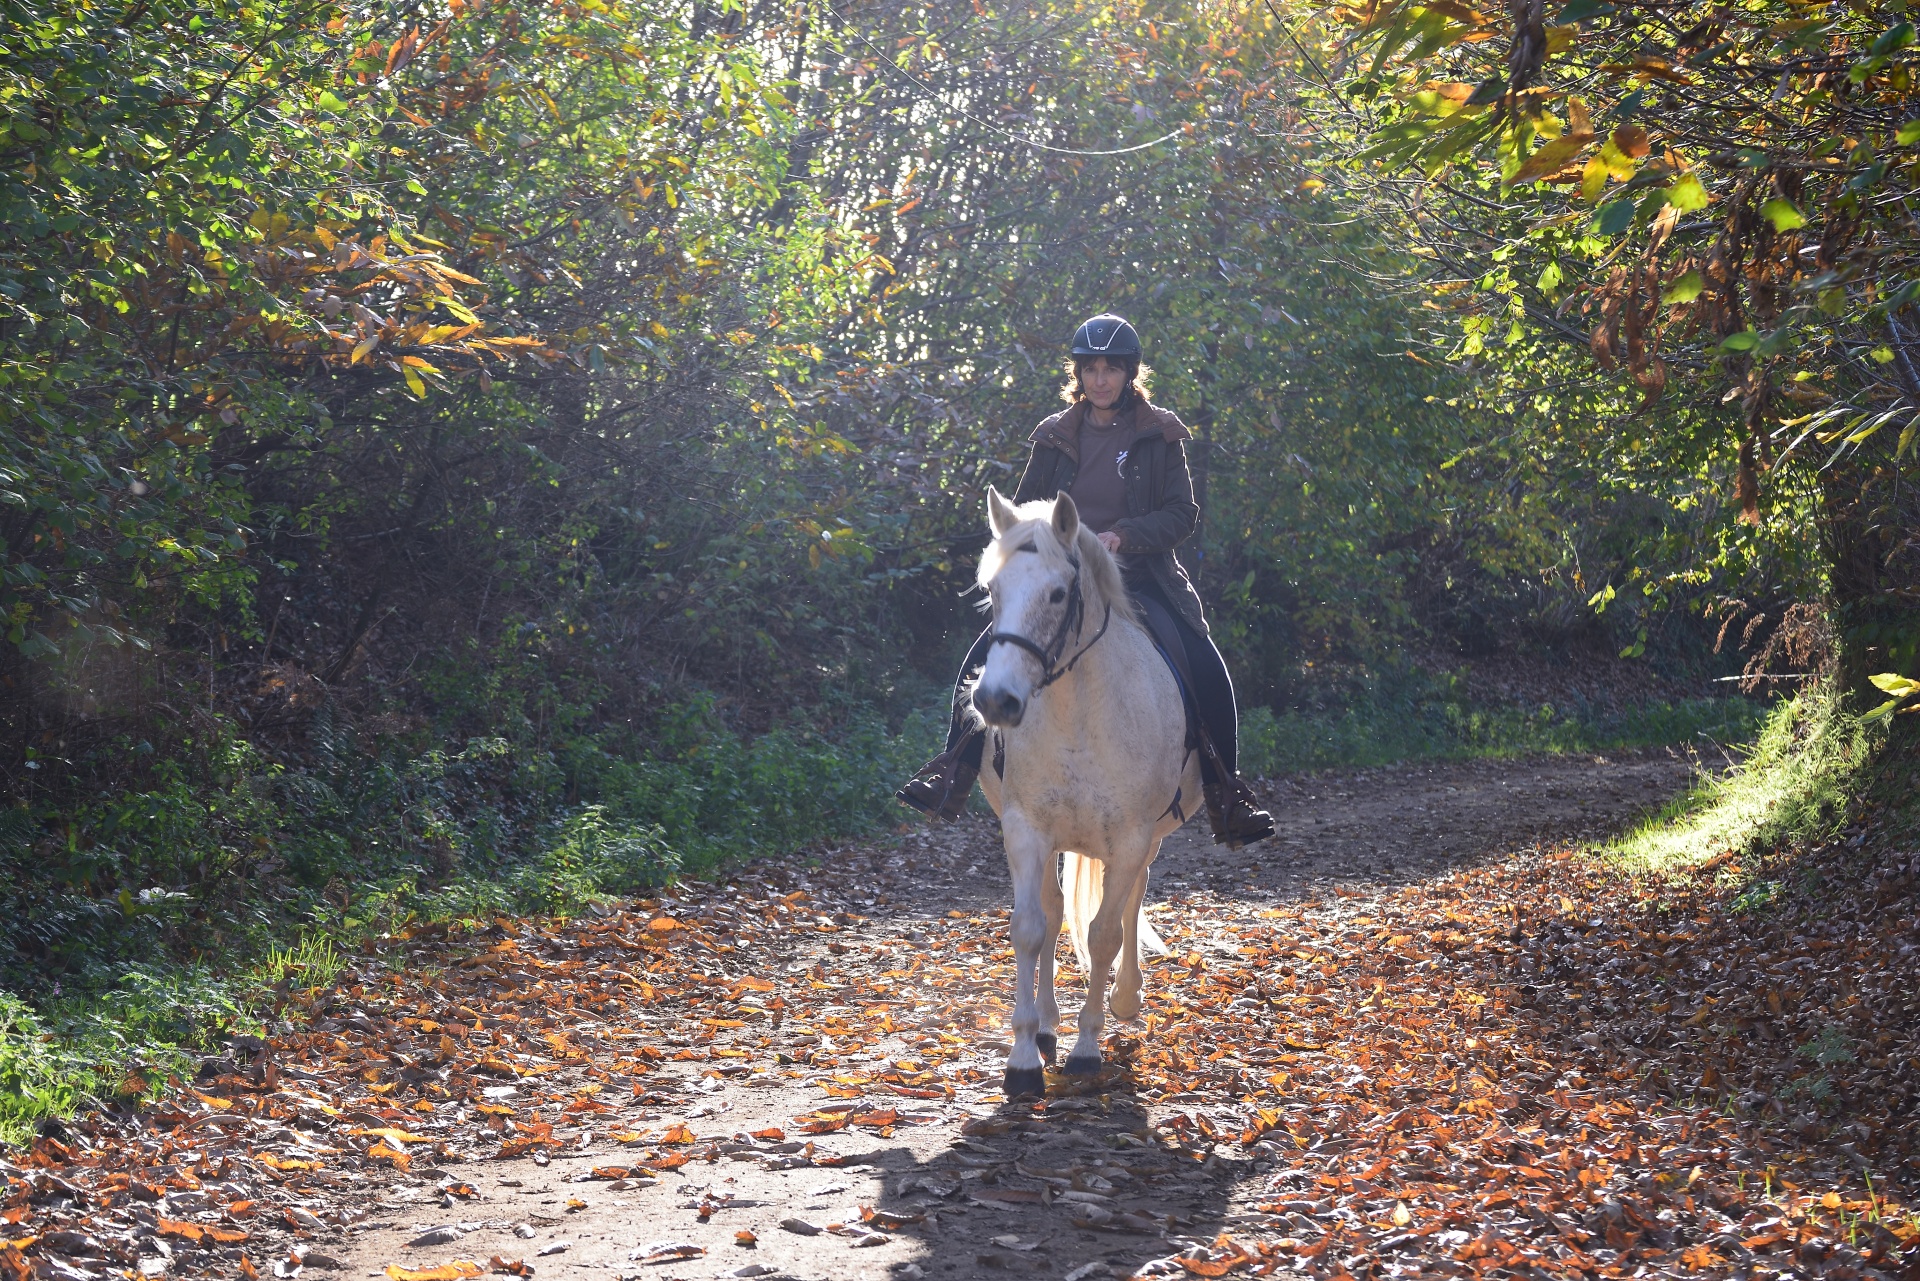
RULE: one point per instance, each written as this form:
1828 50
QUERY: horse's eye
1059 594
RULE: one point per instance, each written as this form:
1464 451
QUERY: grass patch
1794 786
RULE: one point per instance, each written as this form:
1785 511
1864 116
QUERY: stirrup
941 788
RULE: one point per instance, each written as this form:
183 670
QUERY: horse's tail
1082 883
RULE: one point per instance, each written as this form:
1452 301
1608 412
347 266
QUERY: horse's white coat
1093 765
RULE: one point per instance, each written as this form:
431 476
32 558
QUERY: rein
1070 623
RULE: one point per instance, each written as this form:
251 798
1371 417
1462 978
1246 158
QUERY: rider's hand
1110 541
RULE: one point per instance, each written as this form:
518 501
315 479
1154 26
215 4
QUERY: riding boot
1237 817
943 784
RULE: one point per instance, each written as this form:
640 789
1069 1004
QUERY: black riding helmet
1106 335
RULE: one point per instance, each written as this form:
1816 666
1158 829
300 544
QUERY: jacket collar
1062 430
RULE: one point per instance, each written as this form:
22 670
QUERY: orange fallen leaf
668 1161
394 1156
457 1270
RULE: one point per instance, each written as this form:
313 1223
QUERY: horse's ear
1000 513
1066 520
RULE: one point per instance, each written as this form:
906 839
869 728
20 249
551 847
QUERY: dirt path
1384 1044
1006 1196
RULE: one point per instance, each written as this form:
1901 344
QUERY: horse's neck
1090 699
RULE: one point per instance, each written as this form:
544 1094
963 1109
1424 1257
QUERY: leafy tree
1712 200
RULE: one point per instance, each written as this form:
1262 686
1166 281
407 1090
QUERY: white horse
1096 768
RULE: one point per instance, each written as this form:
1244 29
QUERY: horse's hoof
1025 1081
1089 1066
1049 1045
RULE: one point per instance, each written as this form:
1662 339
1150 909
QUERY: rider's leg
1237 817
943 783
1213 696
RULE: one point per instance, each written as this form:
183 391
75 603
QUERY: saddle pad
1166 638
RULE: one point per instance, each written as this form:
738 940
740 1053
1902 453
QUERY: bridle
1050 666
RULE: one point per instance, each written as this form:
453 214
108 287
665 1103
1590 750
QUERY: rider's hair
1139 375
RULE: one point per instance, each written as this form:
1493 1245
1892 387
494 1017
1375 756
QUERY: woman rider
1121 458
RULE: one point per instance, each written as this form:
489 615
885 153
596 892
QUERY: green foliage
364 842
1796 785
1744 262
1403 715
233 858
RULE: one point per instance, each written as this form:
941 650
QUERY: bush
1408 715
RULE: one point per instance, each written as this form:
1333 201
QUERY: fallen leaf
454 1271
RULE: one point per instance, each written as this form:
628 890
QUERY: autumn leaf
395 1156
1551 158
457 1270
390 1135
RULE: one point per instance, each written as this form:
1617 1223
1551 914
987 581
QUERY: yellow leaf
415 383
364 346
391 1135
1687 194
1593 179
1552 158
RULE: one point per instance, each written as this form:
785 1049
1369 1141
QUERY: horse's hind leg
1104 936
1129 981
1029 862
1055 905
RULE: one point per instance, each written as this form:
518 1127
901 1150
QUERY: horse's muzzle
999 708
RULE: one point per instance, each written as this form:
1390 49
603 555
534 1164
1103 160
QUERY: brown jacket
1161 513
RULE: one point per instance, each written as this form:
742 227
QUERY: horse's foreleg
1103 941
1029 860
1055 905
1129 981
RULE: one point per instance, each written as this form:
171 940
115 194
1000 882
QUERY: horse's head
1044 574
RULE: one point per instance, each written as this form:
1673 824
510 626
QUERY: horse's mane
1100 580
